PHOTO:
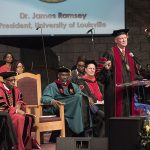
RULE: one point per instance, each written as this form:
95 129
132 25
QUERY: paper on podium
49 116
99 102
134 83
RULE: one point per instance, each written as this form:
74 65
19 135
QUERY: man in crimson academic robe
12 103
118 67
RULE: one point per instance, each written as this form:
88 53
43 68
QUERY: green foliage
145 136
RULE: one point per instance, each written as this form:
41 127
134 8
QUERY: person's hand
148 84
107 65
90 100
21 112
55 103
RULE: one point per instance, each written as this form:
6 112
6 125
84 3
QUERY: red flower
81 87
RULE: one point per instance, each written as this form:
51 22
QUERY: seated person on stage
93 90
8 60
145 72
64 91
18 67
79 70
12 103
145 91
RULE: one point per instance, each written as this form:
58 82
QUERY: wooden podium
124 132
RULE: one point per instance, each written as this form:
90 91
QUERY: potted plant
145 138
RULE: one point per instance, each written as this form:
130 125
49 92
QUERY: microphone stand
92 37
92 31
44 51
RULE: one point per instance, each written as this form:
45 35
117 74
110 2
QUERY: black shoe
53 137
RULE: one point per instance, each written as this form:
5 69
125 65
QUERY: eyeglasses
91 68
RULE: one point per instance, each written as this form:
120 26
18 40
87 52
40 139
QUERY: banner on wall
61 17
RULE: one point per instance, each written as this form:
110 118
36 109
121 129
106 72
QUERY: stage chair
30 86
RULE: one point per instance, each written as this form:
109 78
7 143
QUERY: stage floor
47 145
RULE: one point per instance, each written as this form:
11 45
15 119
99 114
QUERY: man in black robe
118 68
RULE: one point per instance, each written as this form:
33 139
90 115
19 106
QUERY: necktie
123 52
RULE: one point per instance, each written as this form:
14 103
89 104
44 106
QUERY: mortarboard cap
119 32
8 74
63 69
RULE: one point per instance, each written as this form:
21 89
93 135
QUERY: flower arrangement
145 136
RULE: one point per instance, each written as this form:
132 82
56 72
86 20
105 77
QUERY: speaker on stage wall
123 132
78 143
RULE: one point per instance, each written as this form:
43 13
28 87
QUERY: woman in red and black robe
93 90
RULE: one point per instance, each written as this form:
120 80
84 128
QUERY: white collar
120 49
6 87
